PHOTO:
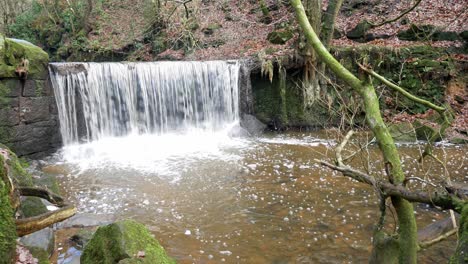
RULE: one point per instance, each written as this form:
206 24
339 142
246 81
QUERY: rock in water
124 242
252 125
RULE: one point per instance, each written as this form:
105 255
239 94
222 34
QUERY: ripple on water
241 200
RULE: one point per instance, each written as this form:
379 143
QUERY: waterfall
118 99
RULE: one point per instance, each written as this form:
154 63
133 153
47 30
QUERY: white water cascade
152 110
118 99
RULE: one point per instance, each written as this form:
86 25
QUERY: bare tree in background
9 9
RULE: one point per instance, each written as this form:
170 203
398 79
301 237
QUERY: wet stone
34 109
43 239
35 88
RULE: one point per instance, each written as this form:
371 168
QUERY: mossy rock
12 51
424 131
403 132
445 35
7 223
280 37
360 30
416 32
122 241
459 140
32 206
464 35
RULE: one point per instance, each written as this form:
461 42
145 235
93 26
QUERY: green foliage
25 24
53 24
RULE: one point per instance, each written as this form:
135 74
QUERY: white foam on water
152 153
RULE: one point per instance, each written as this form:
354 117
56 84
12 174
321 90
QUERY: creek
211 197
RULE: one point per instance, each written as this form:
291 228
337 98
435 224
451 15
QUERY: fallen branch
429 243
30 225
444 200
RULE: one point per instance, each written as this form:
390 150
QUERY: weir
99 100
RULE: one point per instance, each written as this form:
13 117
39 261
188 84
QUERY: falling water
149 117
119 99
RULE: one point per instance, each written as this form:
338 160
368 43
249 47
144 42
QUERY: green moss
360 30
32 206
19 175
7 223
424 72
280 36
41 255
121 241
461 253
425 131
280 103
385 249
13 51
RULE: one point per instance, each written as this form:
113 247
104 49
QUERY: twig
421 180
438 239
396 18
339 148
443 200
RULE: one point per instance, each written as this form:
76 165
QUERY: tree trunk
329 18
311 84
407 224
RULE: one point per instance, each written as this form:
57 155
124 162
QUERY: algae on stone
122 241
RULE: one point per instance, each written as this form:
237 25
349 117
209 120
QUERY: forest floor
237 29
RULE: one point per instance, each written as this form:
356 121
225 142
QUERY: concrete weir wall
28 112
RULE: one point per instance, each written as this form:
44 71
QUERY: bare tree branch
441 199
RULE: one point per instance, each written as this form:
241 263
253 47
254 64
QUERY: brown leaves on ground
23 256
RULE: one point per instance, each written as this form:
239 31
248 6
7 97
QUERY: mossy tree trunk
461 252
407 230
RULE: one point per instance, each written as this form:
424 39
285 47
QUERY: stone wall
28 117
28 112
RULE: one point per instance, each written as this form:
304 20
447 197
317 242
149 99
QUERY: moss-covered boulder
425 130
124 242
280 36
359 31
403 132
7 222
13 51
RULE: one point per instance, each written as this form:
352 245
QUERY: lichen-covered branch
443 200
402 91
